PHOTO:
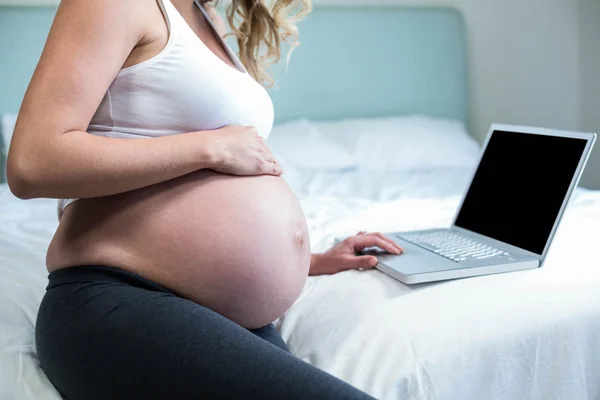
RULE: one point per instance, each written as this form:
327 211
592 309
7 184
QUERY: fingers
269 168
387 239
268 157
361 242
356 262
267 154
253 131
268 163
382 236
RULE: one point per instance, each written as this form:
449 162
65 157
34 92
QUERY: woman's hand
345 255
239 150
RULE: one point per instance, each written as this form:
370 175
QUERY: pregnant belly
237 245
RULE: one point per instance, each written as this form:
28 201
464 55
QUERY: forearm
79 165
315 264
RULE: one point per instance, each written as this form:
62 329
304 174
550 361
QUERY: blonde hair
261 29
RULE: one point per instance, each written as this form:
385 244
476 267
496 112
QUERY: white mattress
26 228
525 335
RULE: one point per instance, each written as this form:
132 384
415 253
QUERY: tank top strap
175 22
224 44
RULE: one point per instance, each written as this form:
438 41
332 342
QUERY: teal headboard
23 32
375 61
353 61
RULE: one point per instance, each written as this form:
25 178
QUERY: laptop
509 213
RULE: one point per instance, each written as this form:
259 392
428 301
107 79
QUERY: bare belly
237 245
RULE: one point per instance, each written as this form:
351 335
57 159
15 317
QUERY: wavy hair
261 27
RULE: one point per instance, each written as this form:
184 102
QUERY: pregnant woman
174 252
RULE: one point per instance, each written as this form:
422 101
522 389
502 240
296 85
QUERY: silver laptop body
509 214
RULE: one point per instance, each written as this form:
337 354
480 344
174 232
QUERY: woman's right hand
239 150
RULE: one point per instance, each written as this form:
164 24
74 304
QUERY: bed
392 153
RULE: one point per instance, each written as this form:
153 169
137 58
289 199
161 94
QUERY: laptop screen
519 188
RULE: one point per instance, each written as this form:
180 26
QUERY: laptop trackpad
414 260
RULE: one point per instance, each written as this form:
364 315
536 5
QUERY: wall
590 81
524 63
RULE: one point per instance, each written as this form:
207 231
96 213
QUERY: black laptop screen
519 188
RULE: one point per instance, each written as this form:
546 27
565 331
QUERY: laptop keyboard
454 246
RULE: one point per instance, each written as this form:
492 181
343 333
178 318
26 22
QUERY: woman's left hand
346 254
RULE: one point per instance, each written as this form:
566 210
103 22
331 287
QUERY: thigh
112 341
270 334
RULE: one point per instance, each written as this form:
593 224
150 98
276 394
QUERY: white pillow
302 145
413 142
7 126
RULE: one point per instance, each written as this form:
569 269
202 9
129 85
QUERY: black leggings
104 333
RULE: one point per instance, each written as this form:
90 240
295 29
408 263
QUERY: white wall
590 81
525 65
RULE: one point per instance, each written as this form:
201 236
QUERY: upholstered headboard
375 61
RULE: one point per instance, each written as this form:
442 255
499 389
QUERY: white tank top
185 88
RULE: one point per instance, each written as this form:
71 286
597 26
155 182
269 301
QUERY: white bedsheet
525 335
26 228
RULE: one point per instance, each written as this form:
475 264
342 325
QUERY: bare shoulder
109 7
91 38
99 14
